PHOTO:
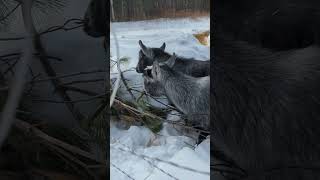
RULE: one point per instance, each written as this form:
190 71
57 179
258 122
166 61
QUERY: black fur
274 24
143 62
265 109
95 19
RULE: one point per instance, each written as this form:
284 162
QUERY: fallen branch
29 129
156 117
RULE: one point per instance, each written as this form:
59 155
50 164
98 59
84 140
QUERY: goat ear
163 46
172 60
146 51
155 69
141 44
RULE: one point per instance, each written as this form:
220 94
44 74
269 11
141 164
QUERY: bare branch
69 75
64 27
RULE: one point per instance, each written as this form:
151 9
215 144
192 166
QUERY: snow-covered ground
172 154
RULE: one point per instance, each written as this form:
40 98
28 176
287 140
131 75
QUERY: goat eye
148 73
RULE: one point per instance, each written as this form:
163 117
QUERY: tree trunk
112 11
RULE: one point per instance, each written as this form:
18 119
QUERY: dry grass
202 37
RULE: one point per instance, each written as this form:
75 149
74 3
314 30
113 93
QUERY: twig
168 106
32 84
10 67
10 12
19 54
12 39
10 54
51 29
122 171
82 91
70 75
161 170
161 160
82 81
8 64
148 161
63 27
157 117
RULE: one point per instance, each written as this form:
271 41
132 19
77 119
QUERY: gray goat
189 94
188 66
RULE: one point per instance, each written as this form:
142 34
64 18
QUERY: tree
33 44
112 11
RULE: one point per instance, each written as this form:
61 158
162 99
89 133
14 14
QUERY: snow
135 152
